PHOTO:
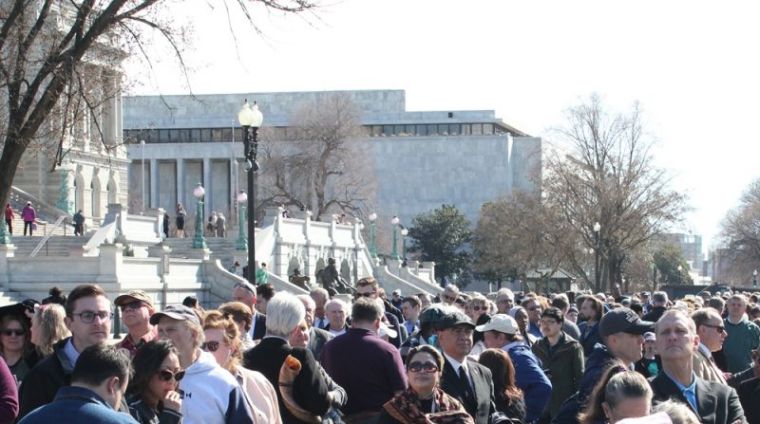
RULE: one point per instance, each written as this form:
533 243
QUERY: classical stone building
421 159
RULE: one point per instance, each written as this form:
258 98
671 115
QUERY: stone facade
421 159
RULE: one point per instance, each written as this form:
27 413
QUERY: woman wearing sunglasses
15 346
222 339
152 395
424 401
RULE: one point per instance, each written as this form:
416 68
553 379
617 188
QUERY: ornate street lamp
404 233
5 236
142 173
372 246
242 242
754 278
394 253
199 242
250 119
597 274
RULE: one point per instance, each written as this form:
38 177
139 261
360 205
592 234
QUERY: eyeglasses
426 367
88 317
9 333
166 375
131 306
720 328
210 346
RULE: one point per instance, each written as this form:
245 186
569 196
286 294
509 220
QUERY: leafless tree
607 176
740 235
55 54
322 163
517 234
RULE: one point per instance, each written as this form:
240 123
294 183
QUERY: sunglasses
720 328
13 332
210 346
166 375
131 306
426 367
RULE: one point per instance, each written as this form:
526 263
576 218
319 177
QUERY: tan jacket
707 370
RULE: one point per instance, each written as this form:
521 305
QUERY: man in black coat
468 381
88 317
714 403
310 392
244 292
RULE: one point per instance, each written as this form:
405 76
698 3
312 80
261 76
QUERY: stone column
153 200
6 251
207 185
181 181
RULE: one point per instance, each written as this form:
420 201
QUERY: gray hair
660 297
307 300
676 313
332 302
678 412
452 288
320 290
284 312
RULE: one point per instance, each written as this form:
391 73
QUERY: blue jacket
530 378
589 338
77 405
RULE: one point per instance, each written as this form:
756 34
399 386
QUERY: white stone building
422 159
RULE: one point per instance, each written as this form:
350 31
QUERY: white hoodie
211 395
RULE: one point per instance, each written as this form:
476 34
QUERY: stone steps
60 246
221 248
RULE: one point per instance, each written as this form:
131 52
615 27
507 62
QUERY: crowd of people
275 357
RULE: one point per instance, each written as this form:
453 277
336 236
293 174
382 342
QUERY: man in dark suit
309 390
468 381
714 403
244 292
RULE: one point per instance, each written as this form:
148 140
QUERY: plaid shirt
127 344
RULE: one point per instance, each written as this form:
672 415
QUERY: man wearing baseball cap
502 332
622 333
210 394
468 381
136 309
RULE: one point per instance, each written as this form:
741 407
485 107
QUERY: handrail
45 239
39 202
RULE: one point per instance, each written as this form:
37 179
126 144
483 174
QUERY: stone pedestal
6 251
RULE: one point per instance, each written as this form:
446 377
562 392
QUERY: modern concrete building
690 246
421 159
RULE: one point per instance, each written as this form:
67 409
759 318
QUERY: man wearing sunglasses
88 317
136 309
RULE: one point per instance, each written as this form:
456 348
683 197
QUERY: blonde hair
52 327
216 320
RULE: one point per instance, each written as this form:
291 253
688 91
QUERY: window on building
432 129
421 130
487 128
466 129
195 135
443 129
477 129
387 130
454 129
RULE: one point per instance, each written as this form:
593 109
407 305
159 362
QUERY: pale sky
693 66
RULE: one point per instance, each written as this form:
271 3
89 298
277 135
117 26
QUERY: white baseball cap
502 323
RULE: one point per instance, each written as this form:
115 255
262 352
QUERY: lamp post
372 246
754 278
404 233
597 274
142 173
242 243
199 242
394 253
680 277
250 118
